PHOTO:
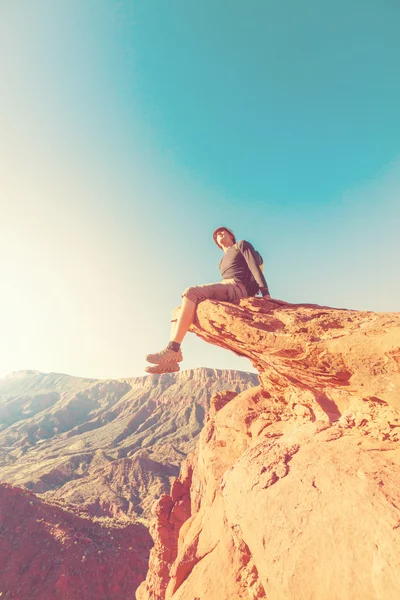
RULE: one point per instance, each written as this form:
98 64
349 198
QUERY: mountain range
109 446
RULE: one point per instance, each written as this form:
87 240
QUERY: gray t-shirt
237 261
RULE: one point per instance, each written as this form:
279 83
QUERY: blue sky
131 129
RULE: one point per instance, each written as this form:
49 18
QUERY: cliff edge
293 491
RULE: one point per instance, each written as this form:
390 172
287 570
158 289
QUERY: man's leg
191 298
185 319
167 360
174 321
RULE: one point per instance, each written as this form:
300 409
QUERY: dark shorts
227 291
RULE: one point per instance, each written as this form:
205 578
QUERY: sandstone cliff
293 491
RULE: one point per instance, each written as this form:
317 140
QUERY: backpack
251 284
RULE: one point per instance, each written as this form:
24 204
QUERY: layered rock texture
293 491
111 447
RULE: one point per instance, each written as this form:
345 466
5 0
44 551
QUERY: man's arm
247 250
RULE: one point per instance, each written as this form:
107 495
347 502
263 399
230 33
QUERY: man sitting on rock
239 268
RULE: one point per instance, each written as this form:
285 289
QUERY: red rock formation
295 485
170 512
47 552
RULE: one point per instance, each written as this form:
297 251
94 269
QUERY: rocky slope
48 553
293 491
110 446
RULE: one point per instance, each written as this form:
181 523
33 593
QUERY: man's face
224 238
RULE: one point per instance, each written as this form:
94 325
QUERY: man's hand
265 292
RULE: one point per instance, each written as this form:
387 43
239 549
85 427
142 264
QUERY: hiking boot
167 367
165 356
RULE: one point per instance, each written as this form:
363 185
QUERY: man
236 267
